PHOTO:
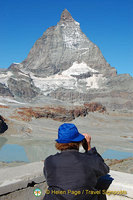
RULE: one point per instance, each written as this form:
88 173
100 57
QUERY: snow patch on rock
72 35
51 83
78 69
67 81
5 101
4 77
96 81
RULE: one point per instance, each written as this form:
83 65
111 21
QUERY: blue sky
107 23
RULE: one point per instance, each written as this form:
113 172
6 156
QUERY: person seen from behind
72 175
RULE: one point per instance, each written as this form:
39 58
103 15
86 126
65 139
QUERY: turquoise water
32 150
113 154
13 152
25 150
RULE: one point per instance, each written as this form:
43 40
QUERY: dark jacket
72 170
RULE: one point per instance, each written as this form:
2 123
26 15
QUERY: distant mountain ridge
64 64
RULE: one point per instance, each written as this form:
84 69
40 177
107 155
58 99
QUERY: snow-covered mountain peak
64 64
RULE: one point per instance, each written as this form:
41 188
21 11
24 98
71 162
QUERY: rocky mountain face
60 47
64 64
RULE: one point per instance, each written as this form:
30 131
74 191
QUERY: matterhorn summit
66 16
61 46
64 64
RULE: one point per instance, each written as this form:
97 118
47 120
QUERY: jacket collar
66 150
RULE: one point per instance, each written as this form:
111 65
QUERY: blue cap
69 133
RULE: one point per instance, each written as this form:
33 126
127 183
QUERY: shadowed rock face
22 88
4 91
3 125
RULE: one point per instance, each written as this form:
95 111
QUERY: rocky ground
13 164
123 165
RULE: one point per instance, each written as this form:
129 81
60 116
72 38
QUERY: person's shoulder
93 155
49 158
90 152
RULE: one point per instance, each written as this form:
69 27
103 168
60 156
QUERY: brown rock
57 113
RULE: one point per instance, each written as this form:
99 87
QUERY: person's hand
88 139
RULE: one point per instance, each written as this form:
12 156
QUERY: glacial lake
113 154
32 150
18 149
